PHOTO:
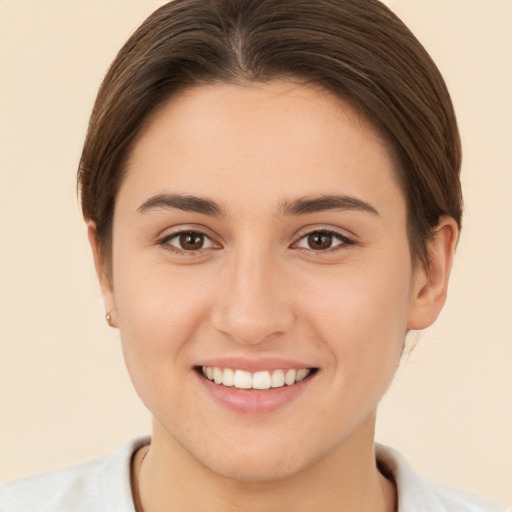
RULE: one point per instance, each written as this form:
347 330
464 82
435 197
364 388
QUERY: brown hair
357 49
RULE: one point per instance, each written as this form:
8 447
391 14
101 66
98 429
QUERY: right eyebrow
183 202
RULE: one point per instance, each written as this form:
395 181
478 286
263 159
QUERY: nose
253 304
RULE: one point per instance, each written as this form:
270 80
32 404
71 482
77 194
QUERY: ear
431 284
104 276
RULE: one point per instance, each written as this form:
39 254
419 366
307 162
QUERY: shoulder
55 491
102 484
418 495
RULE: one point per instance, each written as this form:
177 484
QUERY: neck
346 480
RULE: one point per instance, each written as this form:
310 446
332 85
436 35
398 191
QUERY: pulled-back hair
357 49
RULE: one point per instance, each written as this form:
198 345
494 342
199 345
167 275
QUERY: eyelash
164 241
343 239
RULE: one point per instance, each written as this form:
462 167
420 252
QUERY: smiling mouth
261 380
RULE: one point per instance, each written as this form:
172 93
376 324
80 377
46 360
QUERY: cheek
361 316
159 314
160 300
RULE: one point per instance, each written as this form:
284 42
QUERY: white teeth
228 378
217 375
242 379
277 380
261 380
301 374
289 377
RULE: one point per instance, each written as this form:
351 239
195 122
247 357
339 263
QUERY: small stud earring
108 318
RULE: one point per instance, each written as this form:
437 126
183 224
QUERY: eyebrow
186 203
300 206
305 205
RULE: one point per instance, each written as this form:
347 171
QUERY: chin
258 460
255 469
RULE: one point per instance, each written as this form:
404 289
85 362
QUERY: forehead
258 143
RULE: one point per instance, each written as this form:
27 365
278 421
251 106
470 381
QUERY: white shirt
104 486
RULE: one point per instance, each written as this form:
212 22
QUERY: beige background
64 393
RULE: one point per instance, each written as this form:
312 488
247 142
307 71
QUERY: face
260 236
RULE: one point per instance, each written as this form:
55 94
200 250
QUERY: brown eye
191 241
319 240
323 240
188 242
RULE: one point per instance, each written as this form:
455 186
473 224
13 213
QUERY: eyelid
168 234
336 233
168 238
326 228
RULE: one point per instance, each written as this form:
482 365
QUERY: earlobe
104 277
431 284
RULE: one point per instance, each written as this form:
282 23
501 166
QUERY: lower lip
252 401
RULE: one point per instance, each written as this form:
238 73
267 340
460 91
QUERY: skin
257 289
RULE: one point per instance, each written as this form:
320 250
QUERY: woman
273 200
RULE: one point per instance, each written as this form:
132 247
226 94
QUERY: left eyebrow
305 205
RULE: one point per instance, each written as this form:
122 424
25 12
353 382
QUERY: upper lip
254 365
